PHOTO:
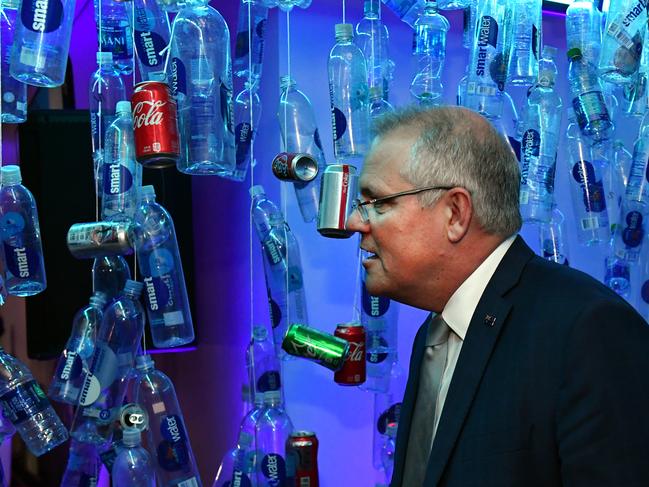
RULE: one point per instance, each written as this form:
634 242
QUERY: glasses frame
360 206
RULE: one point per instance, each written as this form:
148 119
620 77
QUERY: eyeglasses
362 206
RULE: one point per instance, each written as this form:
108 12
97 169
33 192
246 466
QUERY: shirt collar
460 307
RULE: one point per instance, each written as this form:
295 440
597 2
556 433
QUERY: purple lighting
153 351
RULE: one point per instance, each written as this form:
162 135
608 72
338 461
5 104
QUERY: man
532 374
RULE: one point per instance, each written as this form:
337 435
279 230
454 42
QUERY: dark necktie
423 418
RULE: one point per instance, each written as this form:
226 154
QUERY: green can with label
322 348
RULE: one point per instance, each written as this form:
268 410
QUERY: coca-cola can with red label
155 125
302 455
352 373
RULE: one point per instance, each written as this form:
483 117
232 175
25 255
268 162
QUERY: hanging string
283 186
356 308
343 11
134 53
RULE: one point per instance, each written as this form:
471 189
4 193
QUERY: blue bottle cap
11 175
259 333
144 362
123 106
130 437
256 190
147 191
104 58
133 288
98 300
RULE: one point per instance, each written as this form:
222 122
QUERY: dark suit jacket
551 387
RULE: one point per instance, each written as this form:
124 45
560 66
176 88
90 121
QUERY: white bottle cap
272 396
259 333
11 175
256 190
123 106
344 31
144 362
147 191
131 436
104 58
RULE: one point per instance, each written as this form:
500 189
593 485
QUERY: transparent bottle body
583 29
588 102
14 92
552 238
263 364
247 113
133 468
273 429
469 23
109 274
615 181
429 53
152 34
526 45
114 32
249 44
387 410
83 466
372 38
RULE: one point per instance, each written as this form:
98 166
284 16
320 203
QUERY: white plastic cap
256 190
130 436
272 396
123 106
144 362
147 191
259 333
344 31
11 175
104 58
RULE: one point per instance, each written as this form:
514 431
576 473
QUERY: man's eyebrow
368 190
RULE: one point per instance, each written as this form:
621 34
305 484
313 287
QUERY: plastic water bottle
429 51
249 48
622 41
539 143
372 38
25 404
159 261
282 266
615 180
103 393
300 134
133 466
200 74
554 246
247 113
348 94
74 362
21 236
378 106
584 29
263 365
121 174
114 31
152 34
406 10
587 98
387 410
109 275
273 429
469 24
388 450
452 4
14 93
168 439
105 91
39 54
488 59
83 465
237 466
526 45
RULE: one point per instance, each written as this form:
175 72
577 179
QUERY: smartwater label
21 262
173 453
178 77
117 179
488 67
530 148
23 402
633 232
243 138
273 467
594 197
41 15
374 306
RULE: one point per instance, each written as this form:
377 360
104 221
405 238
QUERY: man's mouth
367 255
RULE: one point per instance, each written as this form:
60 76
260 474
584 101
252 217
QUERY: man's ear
459 211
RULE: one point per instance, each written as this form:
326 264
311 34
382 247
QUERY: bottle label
536 35
269 381
104 370
23 402
117 179
490 63
590 107
275 312
239 479
173 453
148 44
594 197
633 233
243 137
273 251
161 285
339 123
552 251
374 306
242 49
273 467
21 261
41 15
389 416
116 38
71 367
644 292
375 355
226 106
178 77
530 147
11 223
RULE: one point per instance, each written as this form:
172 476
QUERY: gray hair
454 149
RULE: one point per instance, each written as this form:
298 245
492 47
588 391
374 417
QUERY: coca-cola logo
152 116
356 351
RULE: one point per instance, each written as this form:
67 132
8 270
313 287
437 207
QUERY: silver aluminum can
337 193
98 239
290 166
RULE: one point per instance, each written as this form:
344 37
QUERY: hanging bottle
21 236
388 450
553 238
74 362
249 46
526 43
273 429
583 29
247 114
634 93
200 74
263 365
406 10
109 275
237 467
348 94
615 180
469 24
14 92
152 34
83 465
167 437
161 269
300 134
114 31
133 466
372 38
387 411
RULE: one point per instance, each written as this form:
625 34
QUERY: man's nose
354 222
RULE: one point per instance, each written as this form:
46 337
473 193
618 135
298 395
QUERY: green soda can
322 348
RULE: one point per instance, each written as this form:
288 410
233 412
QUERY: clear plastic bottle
25 404
103 393
300 134
114 31
249 47
105 91
348 94
526 45
387 410
237 466
615 180
200 74
388 450
263 365
406 10
167 437
133 466
247 113
161 269
583 29
152 34
83 465
14 92
109 275
452 4
469 24
39 54
378 105
429 51
74 362
552 237
372 38
21 236
121 174
273 429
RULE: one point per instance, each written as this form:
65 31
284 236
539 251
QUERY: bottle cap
98 300
147 191
285 81
376 92
574 53
259 399
104 58
272 396
123 106
259 333
344 31
144 362
11 4
11 175
256 190
549 52
131 436
133 288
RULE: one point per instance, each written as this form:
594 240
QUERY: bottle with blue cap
133 466
14 92
159 261
167 437
273 430
21 236
109 275
74 362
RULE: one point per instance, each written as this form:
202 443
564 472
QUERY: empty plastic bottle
429 51
553 238
74 363
615 180
109 275
388 450
152 34
121 174
14 92
25 404
39 54
237 466
387 410
167 437
200 74
133 466
406 10
161 269
300 134
348 94
273 429
21 236
263 365
103 393
378 106
83 465
249 47
526 45
583 29
469 24
247 113
372 38
114 31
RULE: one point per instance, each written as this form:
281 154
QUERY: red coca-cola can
352 372
155 125
302 453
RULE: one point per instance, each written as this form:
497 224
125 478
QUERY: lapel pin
489 320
